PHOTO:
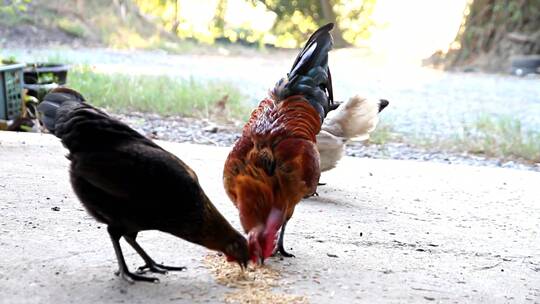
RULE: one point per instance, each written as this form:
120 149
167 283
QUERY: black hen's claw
158 268
173 268
151 268
150 265
132 277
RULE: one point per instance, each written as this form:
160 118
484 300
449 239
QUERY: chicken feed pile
254 285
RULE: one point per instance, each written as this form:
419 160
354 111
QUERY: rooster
131 184
275 163
353 119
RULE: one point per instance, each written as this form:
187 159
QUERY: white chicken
353 119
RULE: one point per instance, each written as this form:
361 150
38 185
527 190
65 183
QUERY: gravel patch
203 131
182 129
404 151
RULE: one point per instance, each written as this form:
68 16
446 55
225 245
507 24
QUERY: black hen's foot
158 268
133 277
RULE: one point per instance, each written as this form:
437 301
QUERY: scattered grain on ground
254 285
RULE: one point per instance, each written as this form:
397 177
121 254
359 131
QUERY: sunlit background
416 28
449 67
397 30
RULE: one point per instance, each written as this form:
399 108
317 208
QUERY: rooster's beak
335 105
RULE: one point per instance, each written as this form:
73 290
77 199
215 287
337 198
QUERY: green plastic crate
11 86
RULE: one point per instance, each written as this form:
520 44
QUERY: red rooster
276 163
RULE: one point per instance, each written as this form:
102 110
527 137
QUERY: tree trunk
176 21
496 30
218 22
330 16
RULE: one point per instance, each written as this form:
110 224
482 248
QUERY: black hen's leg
280 247
122 267
150 264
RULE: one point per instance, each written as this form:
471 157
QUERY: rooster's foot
284 253
280 247
312 195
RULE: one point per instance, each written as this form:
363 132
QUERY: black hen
131 184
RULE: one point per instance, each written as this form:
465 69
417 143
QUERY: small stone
211 129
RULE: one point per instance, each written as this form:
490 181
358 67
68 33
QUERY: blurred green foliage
71 27
11 7
150 23
12 10
294 21
355 20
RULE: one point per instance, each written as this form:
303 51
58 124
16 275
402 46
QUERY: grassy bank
500 137
493 136
160 94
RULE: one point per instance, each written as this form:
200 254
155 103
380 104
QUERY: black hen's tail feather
310 75
79 125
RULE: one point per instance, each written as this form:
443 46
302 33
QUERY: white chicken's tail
355 118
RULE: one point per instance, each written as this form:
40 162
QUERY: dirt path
381 231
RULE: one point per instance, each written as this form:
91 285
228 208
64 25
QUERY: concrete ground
380 232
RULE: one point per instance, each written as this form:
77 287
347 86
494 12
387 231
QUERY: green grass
72 28
494 136
163 95
58 58
384 133
501 137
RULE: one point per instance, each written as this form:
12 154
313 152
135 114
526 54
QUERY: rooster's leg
280 247
150 264
122 267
